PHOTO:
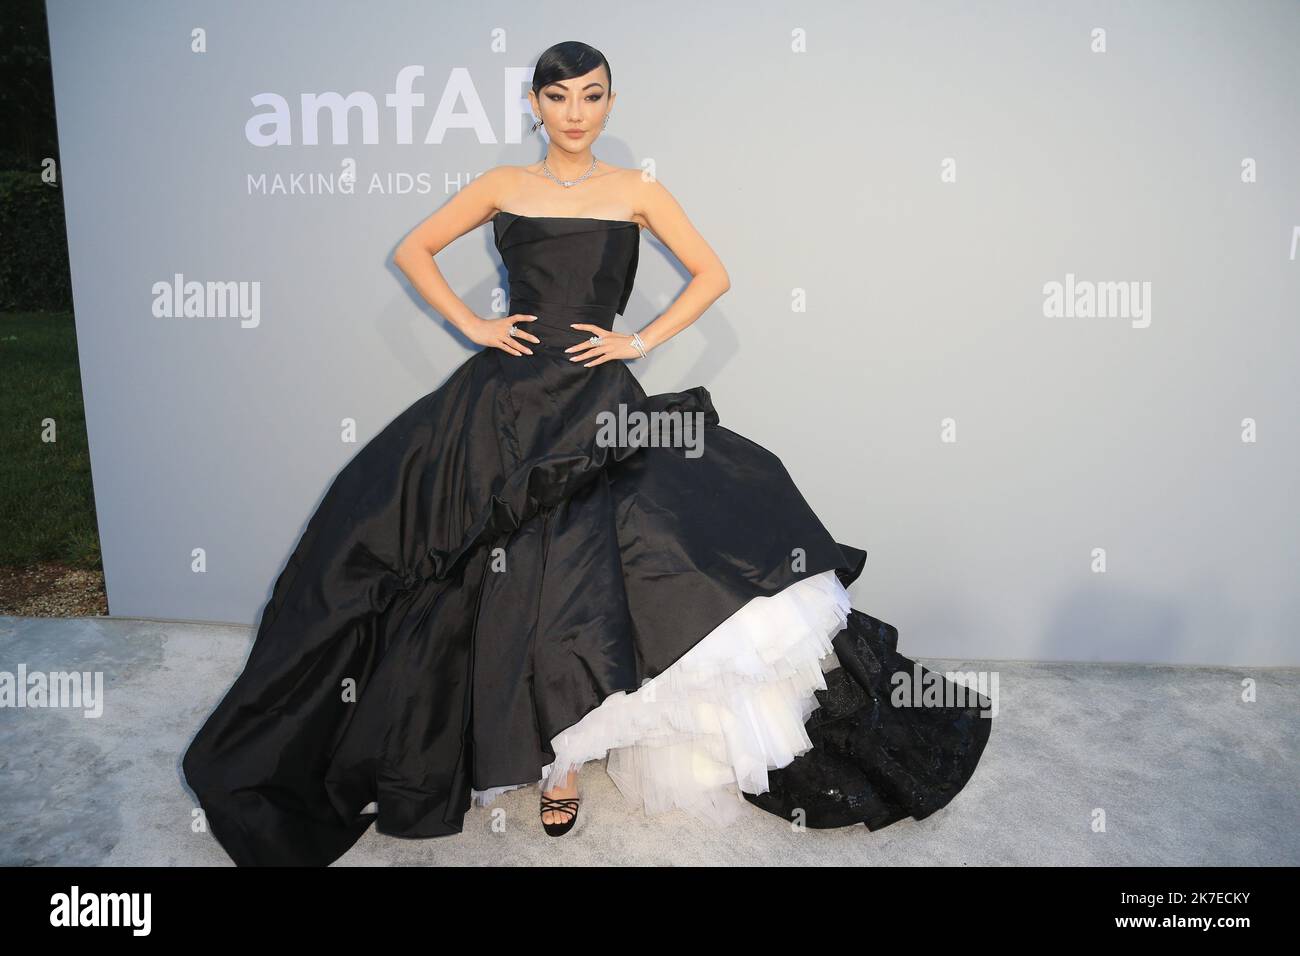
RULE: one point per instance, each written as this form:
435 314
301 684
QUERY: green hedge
34 273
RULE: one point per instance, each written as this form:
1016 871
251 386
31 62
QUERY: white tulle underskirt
723 714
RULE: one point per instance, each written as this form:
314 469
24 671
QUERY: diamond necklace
570 182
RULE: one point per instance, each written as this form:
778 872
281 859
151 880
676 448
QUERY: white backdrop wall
894 188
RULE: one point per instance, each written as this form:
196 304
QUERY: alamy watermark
638 429
71 689
922 687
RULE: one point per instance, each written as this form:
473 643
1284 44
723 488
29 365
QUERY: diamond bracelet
638 344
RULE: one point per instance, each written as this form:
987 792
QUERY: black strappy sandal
568 805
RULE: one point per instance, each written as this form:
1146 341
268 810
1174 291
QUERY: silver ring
595 340
514 332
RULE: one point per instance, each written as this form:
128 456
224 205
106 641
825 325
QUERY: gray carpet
1088 764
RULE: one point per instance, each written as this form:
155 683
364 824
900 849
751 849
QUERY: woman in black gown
538 564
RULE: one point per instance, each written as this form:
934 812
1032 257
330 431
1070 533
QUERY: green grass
48 511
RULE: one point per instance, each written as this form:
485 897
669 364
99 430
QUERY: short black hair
566 60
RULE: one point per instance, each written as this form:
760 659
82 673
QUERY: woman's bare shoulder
505 173
501 183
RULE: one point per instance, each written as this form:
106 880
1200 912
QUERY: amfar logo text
274 126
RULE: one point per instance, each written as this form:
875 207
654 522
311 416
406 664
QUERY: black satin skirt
491 566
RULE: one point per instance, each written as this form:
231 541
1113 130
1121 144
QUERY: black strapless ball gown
499 586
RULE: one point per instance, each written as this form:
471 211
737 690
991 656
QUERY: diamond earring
538 123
